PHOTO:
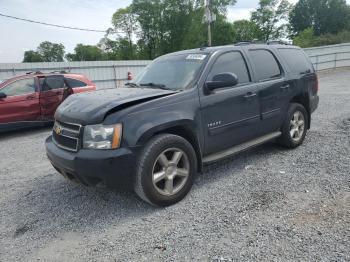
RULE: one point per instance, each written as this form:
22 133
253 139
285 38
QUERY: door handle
30 97
250 95
284 87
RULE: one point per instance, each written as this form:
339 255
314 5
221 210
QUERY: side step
242 147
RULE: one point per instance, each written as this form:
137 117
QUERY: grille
66 135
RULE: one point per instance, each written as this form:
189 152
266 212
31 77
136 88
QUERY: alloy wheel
170 171
297 126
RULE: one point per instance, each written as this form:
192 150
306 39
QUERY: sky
17 36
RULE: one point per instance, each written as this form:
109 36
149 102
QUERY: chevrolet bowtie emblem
58 130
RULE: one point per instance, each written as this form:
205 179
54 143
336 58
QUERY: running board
242 147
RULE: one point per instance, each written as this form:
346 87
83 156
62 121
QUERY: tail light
129 76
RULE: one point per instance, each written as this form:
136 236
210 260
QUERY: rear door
274 89
230 115
51 95
302 72
21 102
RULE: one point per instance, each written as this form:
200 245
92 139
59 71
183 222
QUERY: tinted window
51 83
19 87
232 62
296 60
74 83
265 64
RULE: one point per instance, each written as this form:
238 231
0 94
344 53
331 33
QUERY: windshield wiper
132 84
160 86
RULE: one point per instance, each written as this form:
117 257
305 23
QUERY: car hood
92 107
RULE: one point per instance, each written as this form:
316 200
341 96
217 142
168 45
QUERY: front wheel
295 126
165 170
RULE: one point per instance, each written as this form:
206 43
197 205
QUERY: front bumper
114 168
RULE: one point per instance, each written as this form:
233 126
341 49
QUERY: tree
51 52
32 56
323 16
124 20
171 25
245 30
86 53
118 49
270 17
305 39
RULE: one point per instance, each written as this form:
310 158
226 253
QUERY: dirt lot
266 204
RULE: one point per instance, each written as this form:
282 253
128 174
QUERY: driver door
20 102
232 114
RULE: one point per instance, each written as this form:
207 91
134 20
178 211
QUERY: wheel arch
184 129
304 100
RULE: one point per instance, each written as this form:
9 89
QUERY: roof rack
203 46
271 42
277 42
243 43
34 73
59 72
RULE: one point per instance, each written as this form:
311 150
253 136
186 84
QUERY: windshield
174 72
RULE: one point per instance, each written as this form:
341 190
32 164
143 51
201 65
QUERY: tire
292 123
166 159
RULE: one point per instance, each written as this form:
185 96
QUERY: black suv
184 110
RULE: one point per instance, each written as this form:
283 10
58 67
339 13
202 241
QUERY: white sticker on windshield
196 57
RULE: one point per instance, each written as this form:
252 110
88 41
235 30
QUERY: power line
47 24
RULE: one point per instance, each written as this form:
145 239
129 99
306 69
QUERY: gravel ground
266 204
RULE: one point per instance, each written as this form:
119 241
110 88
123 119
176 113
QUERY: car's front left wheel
165 170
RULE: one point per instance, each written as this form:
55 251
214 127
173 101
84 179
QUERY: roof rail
277 42
34 73
243 43
203 46
59 72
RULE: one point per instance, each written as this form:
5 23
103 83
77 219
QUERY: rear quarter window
296 60
74 82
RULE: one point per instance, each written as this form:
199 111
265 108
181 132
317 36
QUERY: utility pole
209 17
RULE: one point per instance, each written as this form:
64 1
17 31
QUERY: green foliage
171 25
86 53
307 38
32 56
51 52
270 17
245 30
46 52
124 21
323 16
119 49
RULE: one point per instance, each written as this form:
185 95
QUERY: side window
74 82
232 62
296 60
20 87
265 64
51 83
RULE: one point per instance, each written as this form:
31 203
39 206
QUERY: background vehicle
32 99
186 109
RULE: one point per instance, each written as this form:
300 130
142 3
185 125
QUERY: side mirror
2 95
222 80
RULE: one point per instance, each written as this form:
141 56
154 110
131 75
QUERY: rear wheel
295 126
165 170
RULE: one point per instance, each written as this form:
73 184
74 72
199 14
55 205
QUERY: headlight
102 137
